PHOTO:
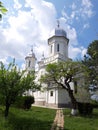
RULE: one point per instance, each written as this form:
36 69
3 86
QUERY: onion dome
58 31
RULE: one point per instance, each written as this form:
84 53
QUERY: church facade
58 51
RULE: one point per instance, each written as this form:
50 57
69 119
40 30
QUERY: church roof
58 31
32 55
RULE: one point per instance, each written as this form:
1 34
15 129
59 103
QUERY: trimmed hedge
28 101
85 108
24 102
94 103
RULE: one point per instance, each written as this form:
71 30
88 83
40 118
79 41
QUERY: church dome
60 32
31 55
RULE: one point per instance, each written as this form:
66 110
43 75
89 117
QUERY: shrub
24 102
94 104
85 108
28 101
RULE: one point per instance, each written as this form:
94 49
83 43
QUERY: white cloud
86 25
71 31
64 14
33 27
45 14
86 9
73 6
23 66
77 52
73 15
17 5
4 60
78 16
84 51
28 28
74 52
78 10
87 3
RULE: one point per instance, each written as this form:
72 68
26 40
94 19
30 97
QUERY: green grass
34 119
42 118
81 122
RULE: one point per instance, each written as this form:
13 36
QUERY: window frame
51 93
58 47
29 64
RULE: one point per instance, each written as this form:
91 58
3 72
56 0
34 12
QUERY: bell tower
30 61
58 44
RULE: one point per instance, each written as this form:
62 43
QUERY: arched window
58 47
29 64
51 48
51 93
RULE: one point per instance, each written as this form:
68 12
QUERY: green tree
14 83
91 63
61 74
3 10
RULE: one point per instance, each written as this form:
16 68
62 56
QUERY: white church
51 96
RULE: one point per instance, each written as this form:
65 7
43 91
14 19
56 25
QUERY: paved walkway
58 123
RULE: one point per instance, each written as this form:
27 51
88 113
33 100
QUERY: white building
58 51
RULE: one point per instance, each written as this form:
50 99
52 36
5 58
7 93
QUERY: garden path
58 123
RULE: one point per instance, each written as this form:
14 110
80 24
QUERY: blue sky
30 22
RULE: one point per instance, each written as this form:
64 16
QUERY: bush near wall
94 103
85 108
28 101
24 102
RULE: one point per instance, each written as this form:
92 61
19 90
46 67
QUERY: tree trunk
70 92
7 109
74 103
73 100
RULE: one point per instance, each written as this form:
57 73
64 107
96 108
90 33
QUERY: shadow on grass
94 114
28 123
60 128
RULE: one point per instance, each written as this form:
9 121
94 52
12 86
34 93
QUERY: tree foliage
13 83
91 63
92 51
61 74
3 10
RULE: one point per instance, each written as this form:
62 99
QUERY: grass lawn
80 122
42 118
34 119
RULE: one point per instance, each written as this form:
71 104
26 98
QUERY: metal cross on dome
32 49
58 23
